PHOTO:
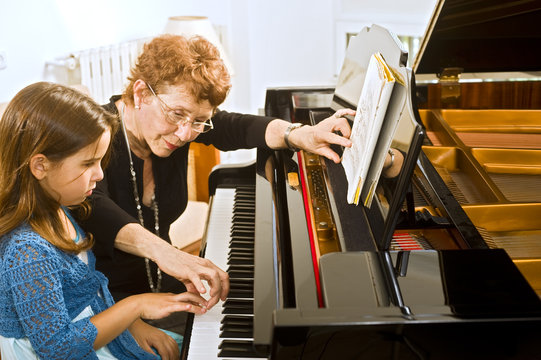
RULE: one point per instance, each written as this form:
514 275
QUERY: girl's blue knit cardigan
43 288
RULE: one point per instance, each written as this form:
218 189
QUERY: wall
284 42
33 32
271 43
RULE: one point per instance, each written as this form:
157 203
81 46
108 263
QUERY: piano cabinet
444 306
488 161
479 98
482 199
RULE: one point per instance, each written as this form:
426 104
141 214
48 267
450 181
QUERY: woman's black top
113 203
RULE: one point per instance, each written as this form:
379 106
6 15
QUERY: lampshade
197 25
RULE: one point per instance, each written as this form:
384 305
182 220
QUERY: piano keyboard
226 330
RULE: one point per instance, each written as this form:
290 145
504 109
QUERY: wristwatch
289 129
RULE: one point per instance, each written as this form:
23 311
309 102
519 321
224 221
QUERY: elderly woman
171 100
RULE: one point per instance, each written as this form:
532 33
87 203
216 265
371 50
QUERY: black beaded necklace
153 205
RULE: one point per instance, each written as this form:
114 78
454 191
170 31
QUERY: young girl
53 303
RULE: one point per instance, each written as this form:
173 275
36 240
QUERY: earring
137 107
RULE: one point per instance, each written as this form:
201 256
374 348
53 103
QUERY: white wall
271 43
298 42
33 32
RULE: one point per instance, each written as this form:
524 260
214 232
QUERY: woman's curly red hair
170 60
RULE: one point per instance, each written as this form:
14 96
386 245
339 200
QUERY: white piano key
205 335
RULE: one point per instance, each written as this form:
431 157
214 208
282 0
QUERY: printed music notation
369 120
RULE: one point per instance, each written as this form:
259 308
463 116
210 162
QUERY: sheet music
371 109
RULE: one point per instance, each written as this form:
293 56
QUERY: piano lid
483 36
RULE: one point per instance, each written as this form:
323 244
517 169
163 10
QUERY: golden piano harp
444 263
483 120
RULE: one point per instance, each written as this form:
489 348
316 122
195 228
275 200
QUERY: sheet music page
375 96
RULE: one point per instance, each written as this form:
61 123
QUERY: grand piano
443 264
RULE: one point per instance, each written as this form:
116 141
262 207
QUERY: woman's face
156 125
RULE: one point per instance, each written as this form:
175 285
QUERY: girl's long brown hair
56 121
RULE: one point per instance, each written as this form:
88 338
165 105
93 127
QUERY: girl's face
156 128
74 178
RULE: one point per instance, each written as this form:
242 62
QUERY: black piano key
241 267
245 199
244 213
241 294
241 274
242 227
238 320
237 348
241 252
244 195
245 223
240 260
245 252
242 244
250 233
249 239
243 208
238 306
236 332
242 239
248 219
241 284
240 271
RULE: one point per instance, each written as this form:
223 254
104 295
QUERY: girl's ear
39 165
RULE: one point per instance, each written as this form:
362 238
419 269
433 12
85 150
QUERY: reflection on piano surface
429 271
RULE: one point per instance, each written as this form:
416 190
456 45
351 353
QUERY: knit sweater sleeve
36 289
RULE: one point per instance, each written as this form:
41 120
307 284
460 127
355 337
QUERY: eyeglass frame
207 125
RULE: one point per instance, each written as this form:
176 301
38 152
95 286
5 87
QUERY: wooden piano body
418 275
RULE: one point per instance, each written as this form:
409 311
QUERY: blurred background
270 43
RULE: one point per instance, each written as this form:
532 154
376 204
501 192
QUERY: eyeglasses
174 118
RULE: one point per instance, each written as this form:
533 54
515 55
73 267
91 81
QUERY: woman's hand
149 337
314 139
191 270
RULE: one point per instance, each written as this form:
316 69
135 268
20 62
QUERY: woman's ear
39 165
139 91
